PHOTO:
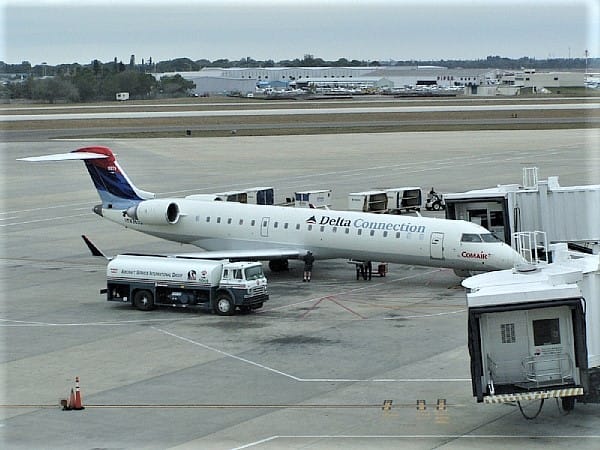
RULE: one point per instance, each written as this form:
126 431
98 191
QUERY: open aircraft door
437 245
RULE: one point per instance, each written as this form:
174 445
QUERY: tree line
94 82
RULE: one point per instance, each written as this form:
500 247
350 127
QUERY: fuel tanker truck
147 281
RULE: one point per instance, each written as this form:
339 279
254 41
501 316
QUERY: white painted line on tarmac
418 436
44 220
313 380
24 323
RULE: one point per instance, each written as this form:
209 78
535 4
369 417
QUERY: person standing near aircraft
308 259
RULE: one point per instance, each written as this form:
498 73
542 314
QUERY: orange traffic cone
78 403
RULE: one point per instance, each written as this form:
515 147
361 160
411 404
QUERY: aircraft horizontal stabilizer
93 248
64 157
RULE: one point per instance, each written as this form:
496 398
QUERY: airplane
238 231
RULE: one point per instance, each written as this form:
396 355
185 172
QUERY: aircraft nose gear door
437 245
264 227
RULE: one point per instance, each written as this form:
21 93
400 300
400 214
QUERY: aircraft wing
233 255
245 255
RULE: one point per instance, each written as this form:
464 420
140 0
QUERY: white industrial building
475 81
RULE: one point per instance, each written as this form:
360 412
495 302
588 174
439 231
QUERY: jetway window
497 218
508 333
546 332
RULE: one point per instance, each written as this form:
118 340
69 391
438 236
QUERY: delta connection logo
366 224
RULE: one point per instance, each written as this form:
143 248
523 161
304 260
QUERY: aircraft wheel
278 265
143 300
224 305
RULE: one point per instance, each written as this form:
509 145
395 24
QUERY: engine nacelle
155 212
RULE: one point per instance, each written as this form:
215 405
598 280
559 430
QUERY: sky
67 31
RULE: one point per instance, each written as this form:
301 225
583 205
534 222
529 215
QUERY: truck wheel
436 206
568 403
224 305
143 300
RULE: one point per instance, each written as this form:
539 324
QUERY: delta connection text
369 225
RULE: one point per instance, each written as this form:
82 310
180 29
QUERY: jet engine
155 212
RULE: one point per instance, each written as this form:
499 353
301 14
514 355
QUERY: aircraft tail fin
114 187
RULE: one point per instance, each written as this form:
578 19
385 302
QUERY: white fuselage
222 226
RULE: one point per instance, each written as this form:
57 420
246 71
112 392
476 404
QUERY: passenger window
372 233
241 221
397 235
285 226
309 227
467 237
335 229
347 231
207 219
385 233
297 226
322 229
229 221
218 220
253 222
359 232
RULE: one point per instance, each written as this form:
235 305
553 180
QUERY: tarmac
334 363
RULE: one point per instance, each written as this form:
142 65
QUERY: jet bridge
534 332
566 214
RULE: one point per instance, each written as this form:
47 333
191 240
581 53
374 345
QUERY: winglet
95 250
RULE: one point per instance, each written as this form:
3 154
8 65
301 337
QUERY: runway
335 363
49 115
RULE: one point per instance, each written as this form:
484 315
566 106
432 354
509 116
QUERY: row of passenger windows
309 227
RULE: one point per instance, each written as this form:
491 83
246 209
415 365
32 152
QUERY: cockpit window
468 237
489 237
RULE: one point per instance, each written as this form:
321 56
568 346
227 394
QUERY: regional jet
237 231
